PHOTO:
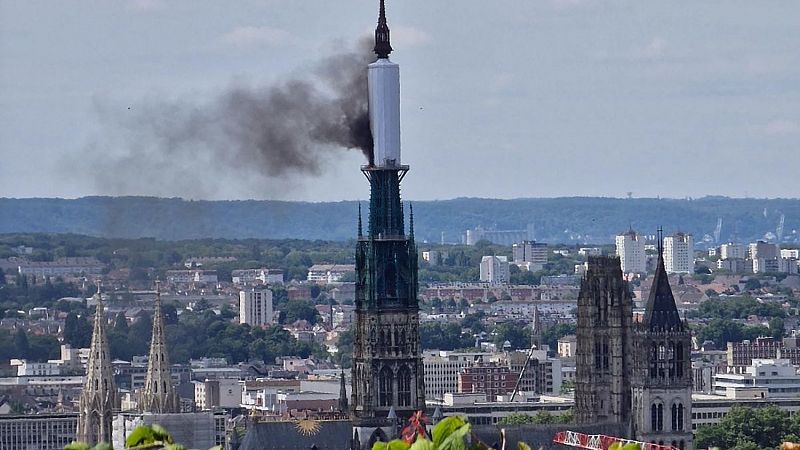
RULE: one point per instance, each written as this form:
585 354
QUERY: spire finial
660 235
382 46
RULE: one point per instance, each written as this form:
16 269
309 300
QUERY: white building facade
494 269
679 253
255 307
630 249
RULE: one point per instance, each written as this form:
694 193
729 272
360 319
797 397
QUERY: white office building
494 269
255 307
630 249
679 253
778 377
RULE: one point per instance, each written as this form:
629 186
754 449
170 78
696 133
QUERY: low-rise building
491 379
192 276
770 377
257 276
41 431
79 265
329 273
28 368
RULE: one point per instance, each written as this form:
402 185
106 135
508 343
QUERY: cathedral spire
343 405
99 397
159 394
382 45
661 313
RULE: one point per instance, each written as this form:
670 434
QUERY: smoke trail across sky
261 136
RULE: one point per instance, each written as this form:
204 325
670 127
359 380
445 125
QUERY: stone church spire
99 398
662 371
159 394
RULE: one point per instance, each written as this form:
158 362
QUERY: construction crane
601 441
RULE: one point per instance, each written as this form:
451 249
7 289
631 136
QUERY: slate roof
331 435
661 314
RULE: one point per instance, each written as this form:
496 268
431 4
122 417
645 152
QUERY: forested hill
555 220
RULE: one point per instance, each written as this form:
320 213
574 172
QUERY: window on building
385 390
680 416
404 387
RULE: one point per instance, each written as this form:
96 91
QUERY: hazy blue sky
500 98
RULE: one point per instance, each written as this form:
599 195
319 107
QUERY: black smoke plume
273 133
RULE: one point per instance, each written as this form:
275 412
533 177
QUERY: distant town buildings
255 307
679 253
630 250
494 269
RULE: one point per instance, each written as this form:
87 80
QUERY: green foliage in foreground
452 433
750 428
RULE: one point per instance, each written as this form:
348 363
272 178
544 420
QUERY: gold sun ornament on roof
308 427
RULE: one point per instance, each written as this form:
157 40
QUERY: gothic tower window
674 417
605 354
679 359
657 416
662 360
680 417
404 387
385 392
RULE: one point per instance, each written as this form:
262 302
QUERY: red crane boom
601 441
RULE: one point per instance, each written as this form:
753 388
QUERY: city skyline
526 98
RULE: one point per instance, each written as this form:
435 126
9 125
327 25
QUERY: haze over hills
554 220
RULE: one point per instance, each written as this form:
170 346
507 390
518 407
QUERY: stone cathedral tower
158 395
604 345
662 373
99 398
387 378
